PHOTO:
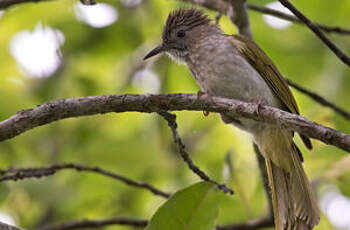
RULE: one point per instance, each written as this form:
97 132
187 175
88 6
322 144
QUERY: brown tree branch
7 3
240 18
249 225
38 172
171 119
321 100
4 226
339 53
223 7
83 106
292 18
139 223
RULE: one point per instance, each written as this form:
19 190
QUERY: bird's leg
201 93
260 103
230 120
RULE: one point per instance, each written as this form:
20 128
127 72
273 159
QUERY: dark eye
180 34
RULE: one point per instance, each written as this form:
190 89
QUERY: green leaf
192 208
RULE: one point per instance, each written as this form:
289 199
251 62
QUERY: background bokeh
60 49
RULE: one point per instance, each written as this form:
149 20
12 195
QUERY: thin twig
225 8
139 223
240 17
273 12
38 172
320 99
4 226
221 6
339 53
249 225
292 18
171 119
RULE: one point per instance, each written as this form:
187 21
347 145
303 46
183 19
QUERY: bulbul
232 66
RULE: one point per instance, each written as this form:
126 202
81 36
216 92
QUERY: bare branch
240 18
291 18
97 224
38 172
339 53
272 12
7 3
250 225
83 106
171 119
223 7
4 226
320 99
220 6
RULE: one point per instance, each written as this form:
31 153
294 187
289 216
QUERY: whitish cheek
176 57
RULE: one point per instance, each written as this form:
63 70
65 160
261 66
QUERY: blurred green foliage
106 60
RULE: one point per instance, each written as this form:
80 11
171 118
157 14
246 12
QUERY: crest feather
184 17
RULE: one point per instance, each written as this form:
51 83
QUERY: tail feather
305 202
278 186
306 141
295 206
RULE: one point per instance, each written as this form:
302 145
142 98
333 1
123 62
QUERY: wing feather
257 58
267 70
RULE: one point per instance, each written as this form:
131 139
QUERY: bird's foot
199 95
260 103
206 113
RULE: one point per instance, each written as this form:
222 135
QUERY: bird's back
221 71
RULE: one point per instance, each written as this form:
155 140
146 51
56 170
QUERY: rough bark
83 106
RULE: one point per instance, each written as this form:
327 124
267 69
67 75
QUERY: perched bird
232 66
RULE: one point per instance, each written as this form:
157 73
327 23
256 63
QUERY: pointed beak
155 51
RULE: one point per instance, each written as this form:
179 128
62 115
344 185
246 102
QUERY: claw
200 94
260 104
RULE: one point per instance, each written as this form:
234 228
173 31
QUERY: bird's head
180 30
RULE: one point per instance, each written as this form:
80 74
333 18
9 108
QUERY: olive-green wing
269 72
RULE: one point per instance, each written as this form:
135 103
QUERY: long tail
294 204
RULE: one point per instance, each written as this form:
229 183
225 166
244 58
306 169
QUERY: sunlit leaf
194 208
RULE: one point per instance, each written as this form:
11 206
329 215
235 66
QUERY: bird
235 67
